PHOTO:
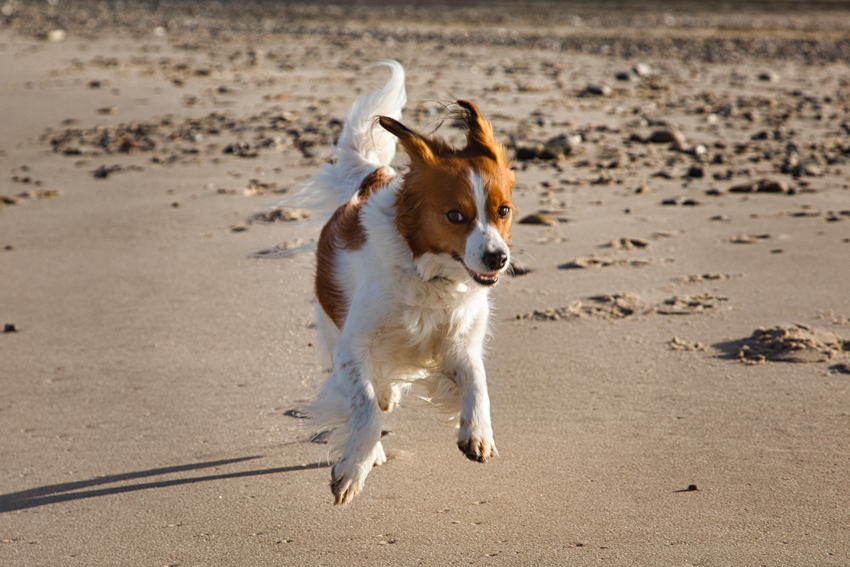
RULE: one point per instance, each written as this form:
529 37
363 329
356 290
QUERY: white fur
410 323
484 237
362 146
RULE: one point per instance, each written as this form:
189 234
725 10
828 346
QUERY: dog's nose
495 260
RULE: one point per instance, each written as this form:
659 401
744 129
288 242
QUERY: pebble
629 243
10 328
760 186
666 137
281 214
540 219
554 148
768 76
696 172
597 90
699 150
642 70
56 36
103 171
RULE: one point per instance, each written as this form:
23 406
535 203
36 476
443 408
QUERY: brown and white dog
404 268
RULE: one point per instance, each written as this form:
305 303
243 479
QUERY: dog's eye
503 212
455 217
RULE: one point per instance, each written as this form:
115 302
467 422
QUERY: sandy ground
153 363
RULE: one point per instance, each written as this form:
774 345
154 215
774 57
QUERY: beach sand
159 336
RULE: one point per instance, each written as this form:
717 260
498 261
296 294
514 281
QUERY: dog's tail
363 145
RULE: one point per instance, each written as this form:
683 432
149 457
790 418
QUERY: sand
692 230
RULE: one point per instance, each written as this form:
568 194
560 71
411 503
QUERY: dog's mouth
483 278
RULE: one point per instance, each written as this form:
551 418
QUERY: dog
403 272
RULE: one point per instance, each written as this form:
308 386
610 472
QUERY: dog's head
454 208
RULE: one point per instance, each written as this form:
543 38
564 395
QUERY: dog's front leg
363 447
466 367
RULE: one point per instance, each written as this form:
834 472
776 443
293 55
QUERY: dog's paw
349 474
477 449
346 482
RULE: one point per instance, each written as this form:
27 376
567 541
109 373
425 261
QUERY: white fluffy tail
363 145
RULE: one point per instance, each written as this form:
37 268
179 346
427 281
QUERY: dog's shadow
69 491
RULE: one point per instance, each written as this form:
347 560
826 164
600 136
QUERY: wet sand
669 365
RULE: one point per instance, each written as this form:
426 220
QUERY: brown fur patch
430 191
343 232
438 181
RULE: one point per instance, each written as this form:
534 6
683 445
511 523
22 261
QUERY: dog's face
454 209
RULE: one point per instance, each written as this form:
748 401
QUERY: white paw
347 478
350 472
477 444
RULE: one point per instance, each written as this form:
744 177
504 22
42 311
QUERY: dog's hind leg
362 449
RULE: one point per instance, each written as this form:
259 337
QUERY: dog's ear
414 144
479 133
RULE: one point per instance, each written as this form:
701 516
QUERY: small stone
103 171
239 227
281 214
812 170
760 186
699 150
623 76
643 189
771 186
56 36
693 488
554 148
667 137
768 76
10 328
629 243
696 172
642 70
540 218
597 90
